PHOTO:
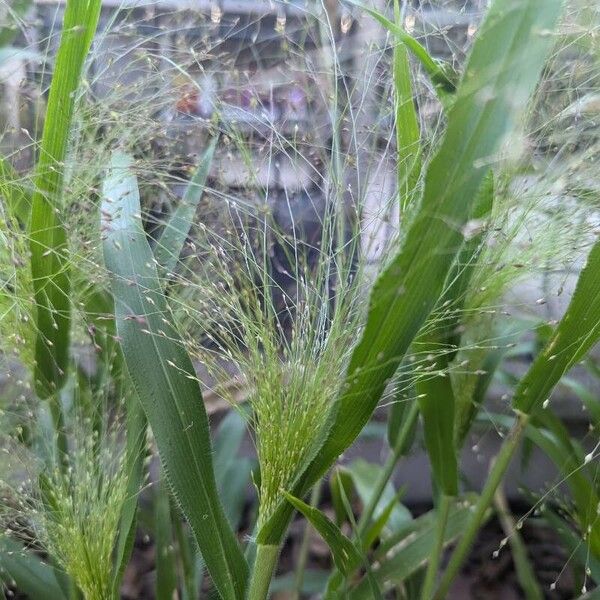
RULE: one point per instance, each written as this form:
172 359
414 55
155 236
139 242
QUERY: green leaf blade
48 237
170 243
164 378
577 331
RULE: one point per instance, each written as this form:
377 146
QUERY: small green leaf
577 332
395 567
438 72
345 555
364 475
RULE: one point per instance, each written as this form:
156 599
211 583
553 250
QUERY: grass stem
58 422
388 469
264 567
496 475
433 564
303 553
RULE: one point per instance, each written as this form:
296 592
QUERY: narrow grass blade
400 411
441 341
525 571
31 575
413 553
233 473
18 200
549 434
502 71
576 333
164 378
48 238
408 135
340 487
172 239
135 454
440 75
345 555
364 476
572 541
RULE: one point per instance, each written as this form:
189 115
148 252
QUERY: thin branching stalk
433 564
388 468
304 545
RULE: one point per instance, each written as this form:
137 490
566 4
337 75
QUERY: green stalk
264 567
434 563
303 554
496 475
388 469
47 232
525 573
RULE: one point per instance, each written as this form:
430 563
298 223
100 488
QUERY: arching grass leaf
344 553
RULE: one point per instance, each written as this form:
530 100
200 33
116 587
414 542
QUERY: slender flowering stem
388 468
